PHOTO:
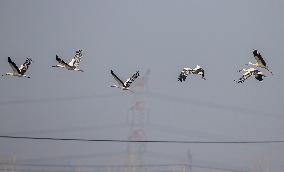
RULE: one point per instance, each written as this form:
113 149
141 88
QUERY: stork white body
124 85
248 73
18 71
73 64
259 61
186 71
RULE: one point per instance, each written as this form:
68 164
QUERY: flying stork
73 64
186 71
248 73
124 85
259 61
19 71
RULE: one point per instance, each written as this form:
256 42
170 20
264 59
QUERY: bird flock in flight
253 70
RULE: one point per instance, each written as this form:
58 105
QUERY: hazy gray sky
163 36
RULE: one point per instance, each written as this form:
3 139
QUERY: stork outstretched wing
184 73
117 79
182 77
75 61
14 66
24 67
259 58
62 62
128 82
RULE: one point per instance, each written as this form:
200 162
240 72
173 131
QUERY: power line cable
144 141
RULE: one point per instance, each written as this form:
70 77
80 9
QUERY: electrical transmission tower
137 120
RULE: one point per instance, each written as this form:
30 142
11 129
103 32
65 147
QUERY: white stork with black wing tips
124 85
259 61
73 64
19 71
186 71
248 73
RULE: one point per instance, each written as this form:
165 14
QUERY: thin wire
90 166
144 141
